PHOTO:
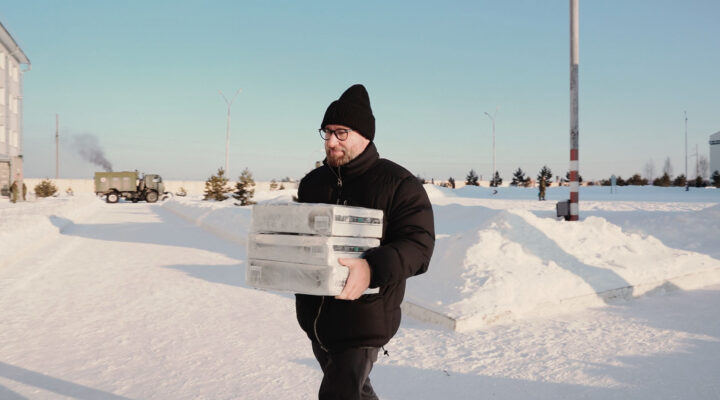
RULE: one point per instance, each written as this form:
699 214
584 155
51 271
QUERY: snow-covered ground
138 301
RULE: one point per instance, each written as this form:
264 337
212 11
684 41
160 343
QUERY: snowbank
27 225
506 264
504 256
498 257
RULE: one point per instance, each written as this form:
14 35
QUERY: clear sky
143 78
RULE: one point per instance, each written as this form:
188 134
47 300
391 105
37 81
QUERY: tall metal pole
574 125
57 146
227 131
687 183
492 118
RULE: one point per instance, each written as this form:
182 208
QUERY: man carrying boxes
347 330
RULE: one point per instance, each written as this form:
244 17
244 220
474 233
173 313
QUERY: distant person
14 192
348 330
541 194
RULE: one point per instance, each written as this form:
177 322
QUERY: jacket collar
359 165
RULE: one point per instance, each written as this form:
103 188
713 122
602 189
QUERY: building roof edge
12 46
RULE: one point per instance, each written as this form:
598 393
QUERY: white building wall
714 152
12 60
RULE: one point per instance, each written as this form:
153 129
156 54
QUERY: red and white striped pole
574 131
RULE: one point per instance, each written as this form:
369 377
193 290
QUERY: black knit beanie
353 110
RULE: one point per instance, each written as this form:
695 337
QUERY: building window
2 133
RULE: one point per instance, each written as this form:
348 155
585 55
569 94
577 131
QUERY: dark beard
346 158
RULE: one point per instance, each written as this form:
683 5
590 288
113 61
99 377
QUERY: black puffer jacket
405 249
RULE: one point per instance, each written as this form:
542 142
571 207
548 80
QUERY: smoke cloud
88 147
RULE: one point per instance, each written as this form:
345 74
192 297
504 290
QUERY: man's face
342 152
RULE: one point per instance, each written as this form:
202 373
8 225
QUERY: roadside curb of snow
201 220
215 220
692 281
60 221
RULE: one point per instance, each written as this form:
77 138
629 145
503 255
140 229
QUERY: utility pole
687 183
57 146
227 132
492 118
574 106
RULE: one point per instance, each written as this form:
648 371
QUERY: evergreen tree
471 178
519 178
45 188
245 189
216 187
451 181
680 180
567 177
546 174
716 179
273 184
637 180
663 181
699 181
496 181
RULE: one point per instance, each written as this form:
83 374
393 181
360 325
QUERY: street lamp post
492 118
687 183
227 131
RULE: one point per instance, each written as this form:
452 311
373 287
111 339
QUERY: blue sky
143 77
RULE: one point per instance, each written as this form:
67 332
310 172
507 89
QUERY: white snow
138 301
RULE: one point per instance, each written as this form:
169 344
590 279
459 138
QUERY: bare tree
667 167
650 170
703 166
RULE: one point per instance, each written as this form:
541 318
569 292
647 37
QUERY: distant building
11 134
714 152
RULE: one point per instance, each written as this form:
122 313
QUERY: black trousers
346 373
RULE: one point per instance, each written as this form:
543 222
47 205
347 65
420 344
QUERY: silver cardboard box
317 219
305 249
318 280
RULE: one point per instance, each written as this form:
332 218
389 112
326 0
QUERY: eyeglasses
340 134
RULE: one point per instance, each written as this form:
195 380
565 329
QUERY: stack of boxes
295 246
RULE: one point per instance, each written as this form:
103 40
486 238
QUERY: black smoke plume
88 146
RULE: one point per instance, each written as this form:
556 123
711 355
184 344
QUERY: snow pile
498 259
224 219
26 225
505 264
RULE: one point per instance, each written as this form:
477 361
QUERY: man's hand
358 279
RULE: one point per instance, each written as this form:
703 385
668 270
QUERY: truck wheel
151 197
112 198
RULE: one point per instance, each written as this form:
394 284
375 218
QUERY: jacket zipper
317 337
338 175
322 301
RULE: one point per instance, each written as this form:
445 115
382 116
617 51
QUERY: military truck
130 186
